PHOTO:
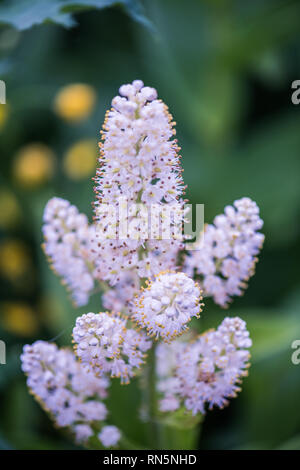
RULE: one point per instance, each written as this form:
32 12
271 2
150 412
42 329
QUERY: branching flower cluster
68 246
207 370
228 259
65 389
106 347
135 253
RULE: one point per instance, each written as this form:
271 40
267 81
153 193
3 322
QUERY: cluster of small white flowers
228 255
210 369
139 159
118 298
67 244
163 255
139 164
65 388
105 346
140 167
166 306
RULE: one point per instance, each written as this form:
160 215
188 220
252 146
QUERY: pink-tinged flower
167 305
138 153
105 346
227 258
209 370
64 387
109 436
68 247
83 432
139 164
118 298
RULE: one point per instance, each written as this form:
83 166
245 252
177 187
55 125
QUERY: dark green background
225 70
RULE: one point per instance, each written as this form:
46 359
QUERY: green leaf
272 333
136 12
132 7
291 444
23 14
4 444
4 66
11 370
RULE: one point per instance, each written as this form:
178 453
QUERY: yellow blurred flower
9 209
3 115
75 102
81 159
34 165
14 259
19 318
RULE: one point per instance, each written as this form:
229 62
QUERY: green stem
152 398
175 438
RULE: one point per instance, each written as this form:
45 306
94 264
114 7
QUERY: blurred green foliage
225 69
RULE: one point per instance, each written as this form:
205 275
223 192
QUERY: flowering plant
152 286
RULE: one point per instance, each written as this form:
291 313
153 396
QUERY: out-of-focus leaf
18 410
260 168
4 66
23 14
270 399
132 7
272 332
234 34
12 368
136 12
258 30
221 42
291 303
31 441
291 444
220 97
4 444
252 446
271 68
